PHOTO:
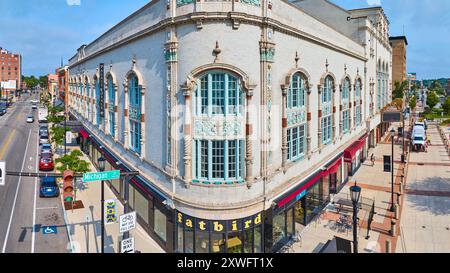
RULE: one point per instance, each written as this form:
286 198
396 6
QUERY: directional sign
109 175
127 222
2 173
110 211
46 230
127 246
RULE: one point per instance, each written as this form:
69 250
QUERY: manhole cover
76 205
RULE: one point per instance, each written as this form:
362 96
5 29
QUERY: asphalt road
22 212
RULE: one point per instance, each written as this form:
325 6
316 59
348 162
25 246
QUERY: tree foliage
446 106
399 89
432 99
58 134
72 162
413 102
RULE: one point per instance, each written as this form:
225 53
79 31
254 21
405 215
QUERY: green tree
432 99
399 89
43 81
413 102
58 134
72 162
446 106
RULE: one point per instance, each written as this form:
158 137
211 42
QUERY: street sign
109 175
127 246
110 211
2 173
127 222
46 230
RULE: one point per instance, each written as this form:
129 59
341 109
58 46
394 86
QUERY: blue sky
43 31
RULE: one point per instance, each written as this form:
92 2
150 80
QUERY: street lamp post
355 193
392 170
101 166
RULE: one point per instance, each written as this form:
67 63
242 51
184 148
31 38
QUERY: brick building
398 45
63 83
11 72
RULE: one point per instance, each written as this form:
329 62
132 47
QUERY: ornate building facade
242 117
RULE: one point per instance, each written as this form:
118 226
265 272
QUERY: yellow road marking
8 141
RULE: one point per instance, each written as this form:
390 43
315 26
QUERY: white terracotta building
243 117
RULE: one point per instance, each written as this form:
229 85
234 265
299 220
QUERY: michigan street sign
109 175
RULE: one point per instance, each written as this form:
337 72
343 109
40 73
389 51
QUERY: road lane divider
7 142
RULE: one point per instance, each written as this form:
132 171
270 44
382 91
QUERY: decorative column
333 105
126 131
319 117
116 111
308 118
267 54
143 131
284 124
171 57
341 116
188 89
248 143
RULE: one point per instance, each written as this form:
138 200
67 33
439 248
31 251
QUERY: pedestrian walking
372 159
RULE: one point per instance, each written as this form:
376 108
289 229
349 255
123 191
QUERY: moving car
46 163
418 138
48 187
30 119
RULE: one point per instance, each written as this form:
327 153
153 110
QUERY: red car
46 164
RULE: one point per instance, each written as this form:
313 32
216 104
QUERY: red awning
300 190
350 152
84 134
333 167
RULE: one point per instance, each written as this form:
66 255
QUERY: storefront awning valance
333 167
84 134
293 195
350 152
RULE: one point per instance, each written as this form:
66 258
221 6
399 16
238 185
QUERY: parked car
30 119
46 148
46 163
48 187
43 131
34 107
43 139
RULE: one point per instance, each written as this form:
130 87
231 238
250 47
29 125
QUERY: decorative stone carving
252 2
296 116
184 2
209 128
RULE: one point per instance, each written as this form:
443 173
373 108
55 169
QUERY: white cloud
73 2
374 2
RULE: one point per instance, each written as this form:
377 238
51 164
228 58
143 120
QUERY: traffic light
68 186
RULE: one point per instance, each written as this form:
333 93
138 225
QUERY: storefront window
180 237
313 202
160 224
279 228
141 206
218 242
299 211
257 239
131 196
248 241
201 241
189 241
234 242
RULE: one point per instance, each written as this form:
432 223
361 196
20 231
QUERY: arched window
219 94
379 96
358 102
218 159
111 107
296 113
346 106
86 89
135 114
97 104
327 112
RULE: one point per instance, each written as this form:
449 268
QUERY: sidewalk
375 185
85 227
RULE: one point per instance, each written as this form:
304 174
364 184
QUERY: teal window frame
326 121
219 161
345 103
358 100
111 106
296 140
219 93
135 101
97 105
